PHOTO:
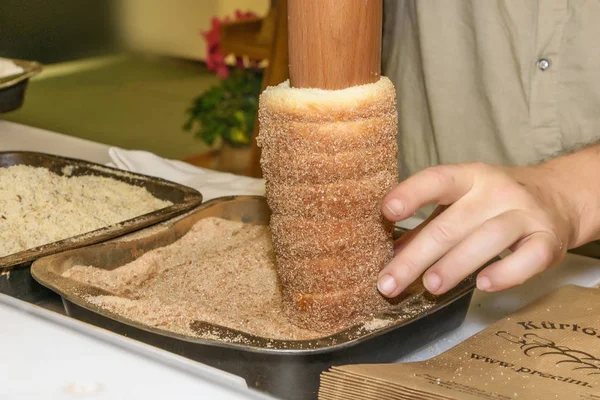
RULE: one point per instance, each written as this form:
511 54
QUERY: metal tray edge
31 69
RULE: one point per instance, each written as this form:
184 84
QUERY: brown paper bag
547 350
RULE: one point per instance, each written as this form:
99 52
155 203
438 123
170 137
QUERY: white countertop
49 356
484 310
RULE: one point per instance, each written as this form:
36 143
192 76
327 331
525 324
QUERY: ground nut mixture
38 207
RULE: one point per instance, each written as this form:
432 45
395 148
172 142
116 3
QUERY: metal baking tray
12 88
15 278
287 369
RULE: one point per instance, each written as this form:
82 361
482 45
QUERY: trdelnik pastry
329 157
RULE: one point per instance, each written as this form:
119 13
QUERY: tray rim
191 198
42 275
31 69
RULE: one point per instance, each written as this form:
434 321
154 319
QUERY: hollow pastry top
318 105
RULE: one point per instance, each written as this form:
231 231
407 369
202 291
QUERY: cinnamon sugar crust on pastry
298 166
329 158
330 138
309 237
352 198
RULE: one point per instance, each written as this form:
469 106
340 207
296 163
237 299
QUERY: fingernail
484 283
395 206
387 285
432 282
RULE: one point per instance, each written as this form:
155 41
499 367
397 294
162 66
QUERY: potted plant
225 114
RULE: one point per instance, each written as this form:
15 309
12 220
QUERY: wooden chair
266 38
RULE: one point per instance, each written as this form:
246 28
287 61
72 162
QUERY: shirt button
543 64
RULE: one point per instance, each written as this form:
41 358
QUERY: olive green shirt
499 81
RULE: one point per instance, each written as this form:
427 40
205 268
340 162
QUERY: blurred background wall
172 27
52 31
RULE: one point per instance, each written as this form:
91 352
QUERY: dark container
13 88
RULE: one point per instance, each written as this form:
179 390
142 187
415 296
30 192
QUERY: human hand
484 210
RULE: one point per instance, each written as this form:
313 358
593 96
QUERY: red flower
215 59
239 15
213 35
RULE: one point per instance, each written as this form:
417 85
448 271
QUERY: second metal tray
15 280
289 369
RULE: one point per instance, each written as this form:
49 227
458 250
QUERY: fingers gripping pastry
329 157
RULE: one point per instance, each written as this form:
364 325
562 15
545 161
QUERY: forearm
573 182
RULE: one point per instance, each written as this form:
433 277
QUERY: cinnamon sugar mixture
220 272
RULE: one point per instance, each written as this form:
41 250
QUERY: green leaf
227 110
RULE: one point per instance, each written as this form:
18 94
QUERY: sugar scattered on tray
376 323
38 207
221 272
